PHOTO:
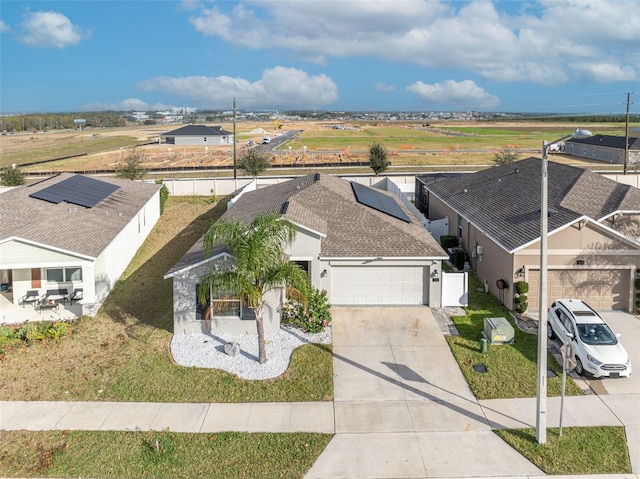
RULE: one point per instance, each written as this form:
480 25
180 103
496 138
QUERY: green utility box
498 331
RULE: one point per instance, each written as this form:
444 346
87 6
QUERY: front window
596 334
73 274
223 305
55 275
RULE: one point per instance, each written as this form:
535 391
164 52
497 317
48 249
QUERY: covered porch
11 313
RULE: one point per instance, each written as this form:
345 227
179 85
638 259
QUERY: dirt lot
103 149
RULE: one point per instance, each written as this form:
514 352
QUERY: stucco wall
185 305
203 140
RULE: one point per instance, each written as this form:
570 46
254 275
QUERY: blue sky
556 56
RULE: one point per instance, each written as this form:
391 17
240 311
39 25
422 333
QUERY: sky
535 56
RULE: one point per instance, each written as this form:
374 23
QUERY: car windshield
596 334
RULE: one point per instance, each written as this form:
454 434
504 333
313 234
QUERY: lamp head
580 134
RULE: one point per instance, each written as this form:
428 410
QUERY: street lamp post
541 397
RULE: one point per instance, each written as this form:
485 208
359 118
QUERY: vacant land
410 145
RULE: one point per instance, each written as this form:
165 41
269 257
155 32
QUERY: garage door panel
378 285
602 289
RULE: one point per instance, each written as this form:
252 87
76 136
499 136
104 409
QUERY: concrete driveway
402 406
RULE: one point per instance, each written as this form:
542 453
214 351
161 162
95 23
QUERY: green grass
176 455
588 450
511 368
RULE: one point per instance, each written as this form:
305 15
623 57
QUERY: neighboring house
358 243
72 232
594 230
199 135
605 148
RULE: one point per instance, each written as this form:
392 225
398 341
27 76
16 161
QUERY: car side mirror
618 335
570 335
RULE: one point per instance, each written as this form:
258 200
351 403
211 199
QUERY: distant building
199 135
607 148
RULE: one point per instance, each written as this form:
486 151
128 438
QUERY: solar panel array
78 190
379 201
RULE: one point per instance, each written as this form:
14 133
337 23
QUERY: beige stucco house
359 244
594 230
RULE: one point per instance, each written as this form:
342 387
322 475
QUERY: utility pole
626 137
234 138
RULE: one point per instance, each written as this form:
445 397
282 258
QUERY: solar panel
379 201
78 190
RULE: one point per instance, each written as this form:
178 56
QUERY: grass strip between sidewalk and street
158 454
580 450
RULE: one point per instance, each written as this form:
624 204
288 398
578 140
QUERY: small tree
132 167
254 162
12 176
259 265
505 156
378 158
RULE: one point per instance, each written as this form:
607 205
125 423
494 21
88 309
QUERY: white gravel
207 351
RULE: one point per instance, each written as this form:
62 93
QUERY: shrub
164 195
521 298
314 317
522 287
458 258
449 241
522 307
638 283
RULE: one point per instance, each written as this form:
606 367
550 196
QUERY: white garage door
378 285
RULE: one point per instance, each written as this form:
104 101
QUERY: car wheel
579 368
550 333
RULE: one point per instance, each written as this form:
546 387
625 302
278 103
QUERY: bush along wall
520 298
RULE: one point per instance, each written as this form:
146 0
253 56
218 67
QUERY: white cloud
279 87
452 93
381 86
50 29
546 42
126 105
4 27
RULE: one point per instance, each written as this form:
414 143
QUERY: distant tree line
573 118
60 121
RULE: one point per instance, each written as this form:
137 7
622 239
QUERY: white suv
596 348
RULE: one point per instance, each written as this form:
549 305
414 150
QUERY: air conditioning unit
498 331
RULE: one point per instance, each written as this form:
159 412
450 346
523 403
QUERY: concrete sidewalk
195 417
401 409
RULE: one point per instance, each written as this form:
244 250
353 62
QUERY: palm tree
259 265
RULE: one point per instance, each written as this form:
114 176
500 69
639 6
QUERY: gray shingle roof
609 141
504 201
327 204
86 231
198 130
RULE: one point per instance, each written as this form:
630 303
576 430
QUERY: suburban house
593 239
360 244
71 234
607 148
199 135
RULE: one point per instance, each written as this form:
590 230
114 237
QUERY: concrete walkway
401 409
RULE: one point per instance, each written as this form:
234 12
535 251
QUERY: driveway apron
402 406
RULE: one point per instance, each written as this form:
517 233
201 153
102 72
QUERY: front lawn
511 368
123 353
